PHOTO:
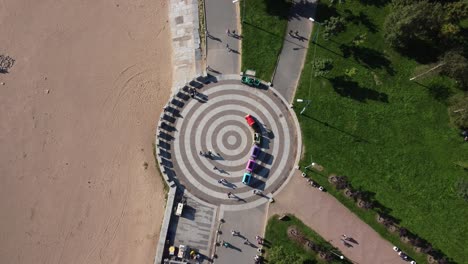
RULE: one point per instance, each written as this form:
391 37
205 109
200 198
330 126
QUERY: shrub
333 26
322 66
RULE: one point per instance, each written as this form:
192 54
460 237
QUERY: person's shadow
352 240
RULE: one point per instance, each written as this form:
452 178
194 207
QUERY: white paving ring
241 147
231 140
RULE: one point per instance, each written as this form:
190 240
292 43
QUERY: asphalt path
295 46
222 15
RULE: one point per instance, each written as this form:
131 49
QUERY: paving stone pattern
214 120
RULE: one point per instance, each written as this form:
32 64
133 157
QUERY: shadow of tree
439 91
351 89
278 8
361 18
302 9
421 51
369 57
377 3
325 11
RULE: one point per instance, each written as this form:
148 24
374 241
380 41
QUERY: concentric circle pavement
214 121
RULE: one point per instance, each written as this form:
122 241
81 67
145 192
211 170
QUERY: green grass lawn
389 135
263 31
276 234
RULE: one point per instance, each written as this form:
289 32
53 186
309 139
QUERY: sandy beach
77 120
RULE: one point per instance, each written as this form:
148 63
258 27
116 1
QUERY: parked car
250 120
182 251
247 178
255 152
250 165
251 81
257 138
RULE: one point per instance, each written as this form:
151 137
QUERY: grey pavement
194 227
248 223
291 60
220 16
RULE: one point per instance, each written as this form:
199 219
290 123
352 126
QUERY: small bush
322 66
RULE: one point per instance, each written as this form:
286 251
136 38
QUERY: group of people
208 154
232 33
295 34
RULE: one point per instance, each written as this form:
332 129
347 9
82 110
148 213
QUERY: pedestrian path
295 46
329 218
223 50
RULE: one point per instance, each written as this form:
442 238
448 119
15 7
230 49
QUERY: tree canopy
412 24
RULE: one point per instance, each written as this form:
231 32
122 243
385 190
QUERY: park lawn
276 235
388 135
263 30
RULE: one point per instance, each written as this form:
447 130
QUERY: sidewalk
329 218
291 60
222 15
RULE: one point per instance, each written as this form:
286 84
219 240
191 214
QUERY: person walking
228 32
228 48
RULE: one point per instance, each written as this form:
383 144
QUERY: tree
456 67
455 11
410 24
278 255
333 26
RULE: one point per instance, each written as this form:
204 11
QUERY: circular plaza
205 142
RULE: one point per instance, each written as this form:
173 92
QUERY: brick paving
329 218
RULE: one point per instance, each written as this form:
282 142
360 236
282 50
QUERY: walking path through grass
294 51
329 218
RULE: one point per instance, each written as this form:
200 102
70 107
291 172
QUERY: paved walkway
295 48
248 223
328 217
222 15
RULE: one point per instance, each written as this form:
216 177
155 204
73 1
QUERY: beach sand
77 121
